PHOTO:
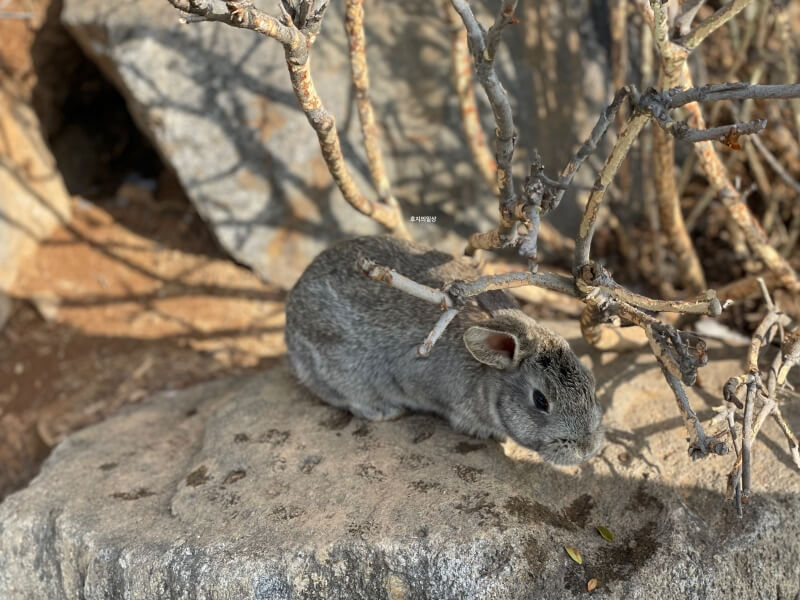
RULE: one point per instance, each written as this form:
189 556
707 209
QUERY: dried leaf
591 584
606 533
731 139
574 554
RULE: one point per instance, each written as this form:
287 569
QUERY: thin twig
404 284
588 224
12 15
586 150
776 166
354 26
483 48
794 447
465 90
425 349
297 39
695 37
731 91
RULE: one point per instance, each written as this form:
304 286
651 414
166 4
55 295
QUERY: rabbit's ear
495 348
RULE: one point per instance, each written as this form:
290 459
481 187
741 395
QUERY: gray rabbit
494 372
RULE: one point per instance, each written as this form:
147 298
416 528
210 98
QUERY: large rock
217 104
33 199
250 488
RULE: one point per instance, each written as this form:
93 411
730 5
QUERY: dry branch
586 229
297 31
695 37
676 73
404 284
465 90
753 382
483 47
354 26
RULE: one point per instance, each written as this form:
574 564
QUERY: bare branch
594 275
244 16
701 444
794 447
504 17
465 90
425 349
695 37
552 198
550 281
689 8
483 47
404 284
625 140
747 436
354 25
776 166
13 15
297 31
731 91
727 134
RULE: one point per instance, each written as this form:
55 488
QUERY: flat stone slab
251 488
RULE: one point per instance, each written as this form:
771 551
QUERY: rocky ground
184 456
249 487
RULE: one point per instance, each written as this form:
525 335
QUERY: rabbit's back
353 340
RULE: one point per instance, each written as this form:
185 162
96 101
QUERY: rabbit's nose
593 443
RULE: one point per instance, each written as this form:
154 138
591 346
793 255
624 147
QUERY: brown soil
132 296
129 298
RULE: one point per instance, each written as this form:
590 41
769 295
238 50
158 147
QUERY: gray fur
353 342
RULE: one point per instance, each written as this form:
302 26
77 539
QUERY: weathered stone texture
33 199
218 106
249 488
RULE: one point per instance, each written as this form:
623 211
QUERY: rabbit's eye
540 401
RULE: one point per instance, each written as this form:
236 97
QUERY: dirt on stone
132 295
129 298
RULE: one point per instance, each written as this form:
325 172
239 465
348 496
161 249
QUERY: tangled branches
679 353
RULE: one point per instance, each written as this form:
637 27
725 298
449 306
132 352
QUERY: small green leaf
606 533
574 554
